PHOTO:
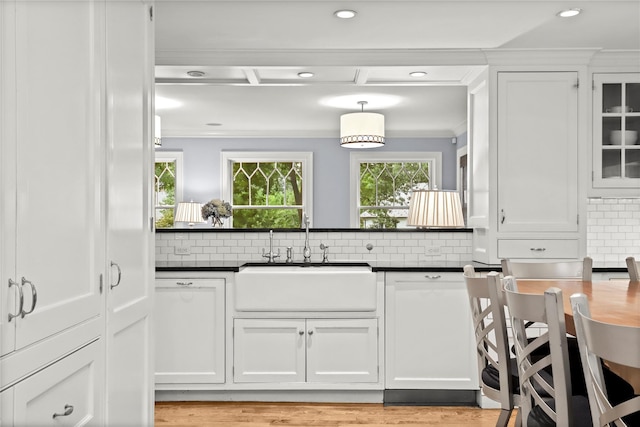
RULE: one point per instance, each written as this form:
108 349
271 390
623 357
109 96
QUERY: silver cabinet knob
310 332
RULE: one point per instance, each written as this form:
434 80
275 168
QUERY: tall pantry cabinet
524 148
59 125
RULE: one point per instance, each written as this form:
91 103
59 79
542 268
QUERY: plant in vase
216 209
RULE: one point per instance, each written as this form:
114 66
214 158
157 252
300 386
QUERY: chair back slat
633 267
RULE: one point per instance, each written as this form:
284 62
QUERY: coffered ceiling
250 54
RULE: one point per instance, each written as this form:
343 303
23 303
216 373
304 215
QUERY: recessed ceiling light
345 14
569 13
418 73
214 124
195 73
305 74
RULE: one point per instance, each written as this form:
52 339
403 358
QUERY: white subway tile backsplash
613 230
613 233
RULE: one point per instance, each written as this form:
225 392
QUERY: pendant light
362 130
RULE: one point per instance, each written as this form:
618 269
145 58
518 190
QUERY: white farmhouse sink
298 288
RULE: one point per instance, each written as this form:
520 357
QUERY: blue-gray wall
330 167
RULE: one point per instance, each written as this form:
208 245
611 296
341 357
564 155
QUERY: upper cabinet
537 152
616 125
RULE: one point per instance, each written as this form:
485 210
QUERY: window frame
434 158
227 158
166 157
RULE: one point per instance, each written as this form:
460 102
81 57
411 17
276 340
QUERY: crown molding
539 56
320 57
292 133
617 59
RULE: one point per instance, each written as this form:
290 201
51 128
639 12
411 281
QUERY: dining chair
498 373
633 267
599 341
551 374
578 270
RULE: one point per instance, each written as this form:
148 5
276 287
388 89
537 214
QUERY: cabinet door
616 132
129 41
54 139
66 393
189 331
268 350
9 295
537 152
342 350
429 335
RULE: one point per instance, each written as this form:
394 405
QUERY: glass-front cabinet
616 121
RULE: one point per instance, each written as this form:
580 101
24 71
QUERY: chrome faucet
306 252
271 256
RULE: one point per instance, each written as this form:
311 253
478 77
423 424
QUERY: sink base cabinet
429 335
305 351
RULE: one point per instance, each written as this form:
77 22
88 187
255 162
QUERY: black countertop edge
235 266
314 230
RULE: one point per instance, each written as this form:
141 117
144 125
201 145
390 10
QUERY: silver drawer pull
21 299
432 277
34 298
115 264
538 249
184 283
68 410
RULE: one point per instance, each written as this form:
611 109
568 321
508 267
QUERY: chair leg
503 419
518 417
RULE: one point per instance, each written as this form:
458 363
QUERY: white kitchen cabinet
616 131
429 335
537 152
129 237
67 393
61 112
527 194
51 222
189 324
305 351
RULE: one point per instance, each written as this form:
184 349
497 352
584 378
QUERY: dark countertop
396 266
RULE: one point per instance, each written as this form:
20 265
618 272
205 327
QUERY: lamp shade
157 135
435 208
362 130
189 212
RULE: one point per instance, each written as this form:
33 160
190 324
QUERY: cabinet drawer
64 394
538 248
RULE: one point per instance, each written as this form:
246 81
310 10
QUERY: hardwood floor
262 414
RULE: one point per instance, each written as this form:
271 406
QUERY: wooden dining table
614 301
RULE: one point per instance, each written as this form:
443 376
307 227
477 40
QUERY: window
381 185
267 189
167 186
